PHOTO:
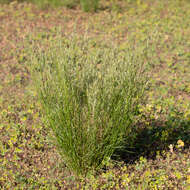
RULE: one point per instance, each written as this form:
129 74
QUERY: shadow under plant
151 137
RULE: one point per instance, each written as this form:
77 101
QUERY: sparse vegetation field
154 130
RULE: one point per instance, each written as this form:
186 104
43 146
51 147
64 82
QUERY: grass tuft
89 96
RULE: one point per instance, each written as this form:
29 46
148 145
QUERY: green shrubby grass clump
89 96
87 5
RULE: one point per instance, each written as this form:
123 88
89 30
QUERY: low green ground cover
156 155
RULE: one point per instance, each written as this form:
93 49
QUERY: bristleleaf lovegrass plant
89 95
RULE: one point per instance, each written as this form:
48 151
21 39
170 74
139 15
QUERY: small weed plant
89 96
89 5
